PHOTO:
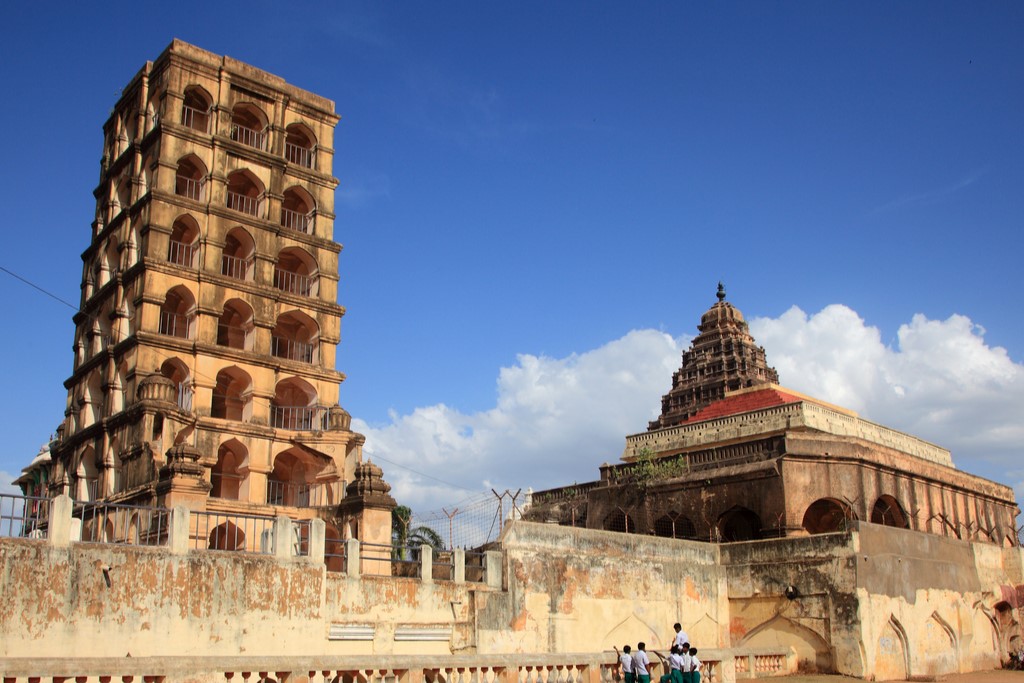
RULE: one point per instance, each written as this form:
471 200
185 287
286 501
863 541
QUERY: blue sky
537 200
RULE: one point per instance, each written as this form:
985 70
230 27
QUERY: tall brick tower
204 368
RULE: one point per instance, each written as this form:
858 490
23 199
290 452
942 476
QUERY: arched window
123 195
195 109
245 193
300 146
94 399
227 536
739 524
234 329
827 515
232 395
298 211
239 255
178 313
888 512
88 476
108 262
176 371
294 480
295 337
674 525
296 272
226 477
619 521
294 406
249 125
190 178
183 249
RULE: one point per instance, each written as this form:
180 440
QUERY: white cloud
7 484
557 419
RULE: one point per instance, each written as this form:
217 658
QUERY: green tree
405 536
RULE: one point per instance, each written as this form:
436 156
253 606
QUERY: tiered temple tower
723 357
204 368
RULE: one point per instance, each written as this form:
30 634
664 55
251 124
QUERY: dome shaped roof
722 312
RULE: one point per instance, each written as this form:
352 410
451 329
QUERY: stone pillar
492 562
366 509
181 480
426 564
317 541
459 565
60 521
177 541
284 538
352 558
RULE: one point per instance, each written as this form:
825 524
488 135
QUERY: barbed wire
474 521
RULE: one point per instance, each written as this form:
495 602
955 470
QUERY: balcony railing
195 118
297 495
23 516
244 203
192 188
293 283
175 324
298 155
292 350
299 418
296 220
235 267
182 254
250 137
123 524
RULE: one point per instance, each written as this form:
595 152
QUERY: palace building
734 457
204 347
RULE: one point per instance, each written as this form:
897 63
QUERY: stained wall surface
874 601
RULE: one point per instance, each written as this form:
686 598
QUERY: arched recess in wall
630 630
812 651
888 512
1006 623
674 525
983 651
618 521
827 515
229 475
295 479
227 536
891 653
739 524
936 648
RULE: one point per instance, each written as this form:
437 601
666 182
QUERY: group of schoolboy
681 665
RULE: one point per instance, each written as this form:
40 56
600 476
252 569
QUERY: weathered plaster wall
56 602
799 593
875 602
580 590
928 603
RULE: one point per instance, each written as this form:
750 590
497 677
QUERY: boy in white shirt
626 664
694 665
641 664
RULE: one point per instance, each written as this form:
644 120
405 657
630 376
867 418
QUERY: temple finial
721 291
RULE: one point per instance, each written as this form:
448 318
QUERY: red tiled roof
744 403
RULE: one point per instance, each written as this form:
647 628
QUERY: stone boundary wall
875 601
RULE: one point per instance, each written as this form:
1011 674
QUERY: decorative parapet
778 419
719 666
